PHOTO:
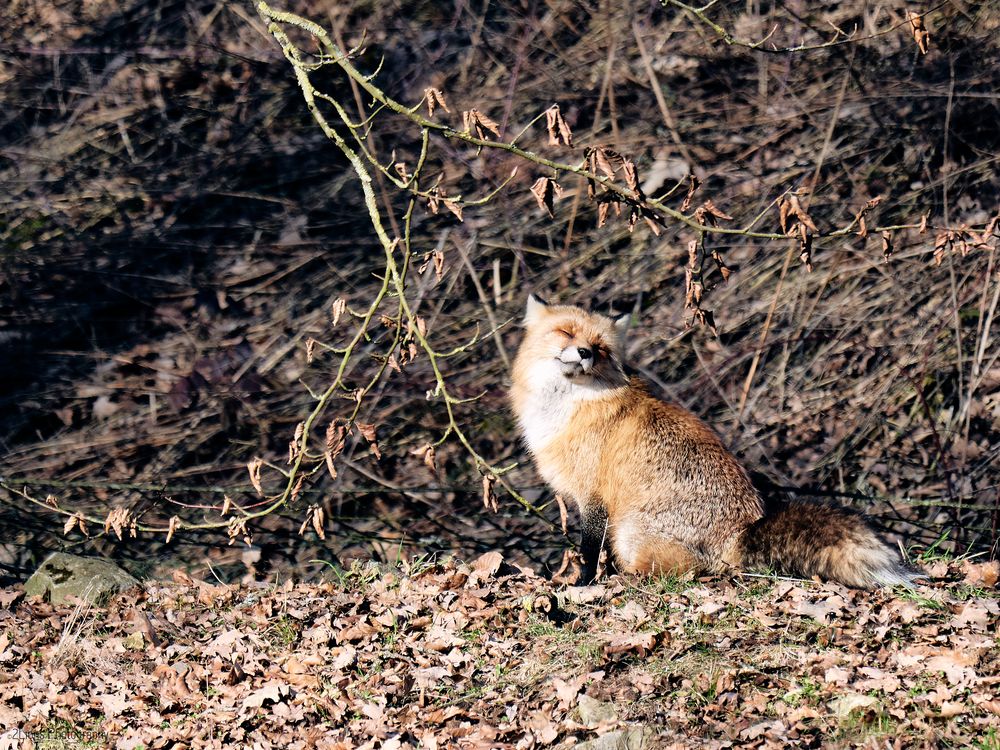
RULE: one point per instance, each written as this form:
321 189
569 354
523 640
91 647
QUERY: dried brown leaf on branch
117 520
253 468
337 309
368 432
887 248
652 221
72 522
545 191
631 176
862 215
805 246
435 98
692 278
294 448
790 206
474 121
693 184
602 211
489 496
172 526
433 200
315 517
559 132
604 160
721 265
428 455
920 33
336 436
710 215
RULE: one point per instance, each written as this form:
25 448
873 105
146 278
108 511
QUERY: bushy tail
837 544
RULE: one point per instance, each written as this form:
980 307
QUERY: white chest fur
552 399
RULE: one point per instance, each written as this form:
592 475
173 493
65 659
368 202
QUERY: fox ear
622 324
535 307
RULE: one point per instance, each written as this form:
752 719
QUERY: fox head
568 345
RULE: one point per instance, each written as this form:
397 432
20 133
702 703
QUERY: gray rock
593 711
635 738
91 579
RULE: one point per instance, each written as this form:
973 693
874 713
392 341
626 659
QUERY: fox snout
576 360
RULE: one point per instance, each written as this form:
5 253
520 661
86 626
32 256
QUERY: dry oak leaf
982 574
486 566
273 691
640 644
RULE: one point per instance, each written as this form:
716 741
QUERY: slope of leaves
491 655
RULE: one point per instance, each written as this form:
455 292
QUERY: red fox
654 481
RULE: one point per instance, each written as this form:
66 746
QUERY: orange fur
670 496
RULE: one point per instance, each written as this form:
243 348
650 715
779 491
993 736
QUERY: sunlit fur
675 498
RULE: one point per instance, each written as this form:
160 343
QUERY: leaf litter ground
448 654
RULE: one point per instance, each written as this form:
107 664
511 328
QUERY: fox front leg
595 527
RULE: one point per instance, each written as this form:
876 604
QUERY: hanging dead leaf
559 132
489 496
435 98
428 454
606 160
602 213
631 176
788 206
721 265
315 517
254 467
438 258
117 520
693 184
368 432
475 121
545 190
337 309
886 246
709 214
433 200
454 207
805 247
172 526
293 446
920 33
